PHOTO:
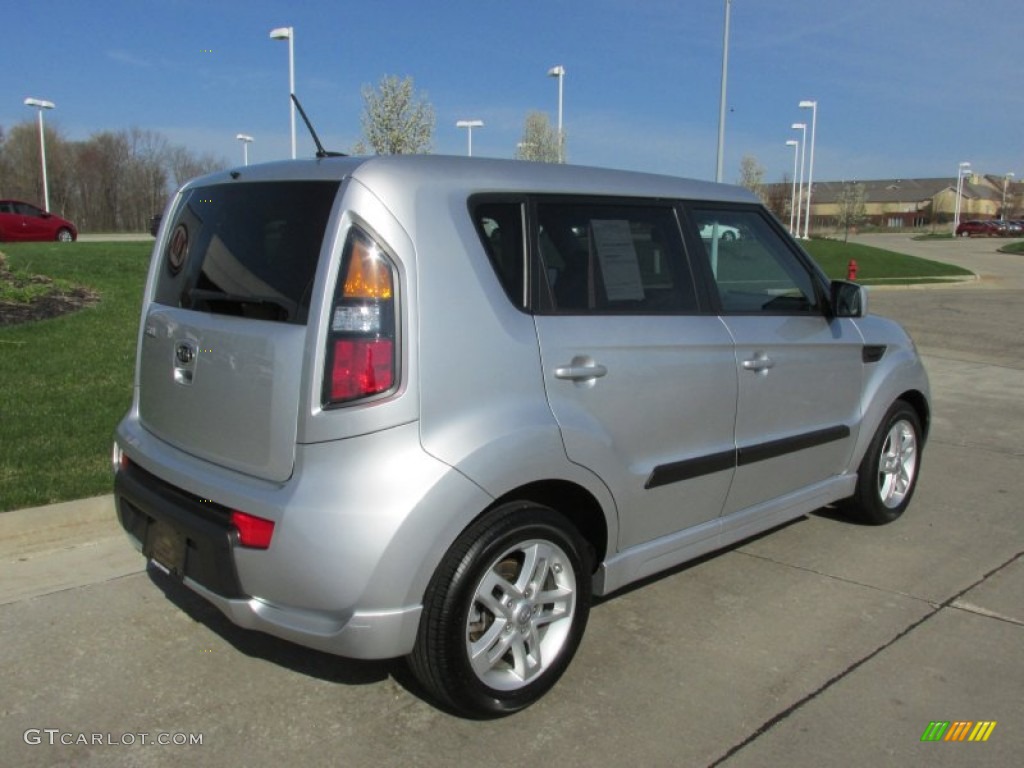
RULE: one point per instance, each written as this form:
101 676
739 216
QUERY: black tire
64 235
488 594
888 473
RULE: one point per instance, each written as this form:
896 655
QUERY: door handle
576 371
760 363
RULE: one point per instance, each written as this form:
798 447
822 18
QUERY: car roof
471 175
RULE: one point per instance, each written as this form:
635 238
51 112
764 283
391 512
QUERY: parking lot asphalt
819 643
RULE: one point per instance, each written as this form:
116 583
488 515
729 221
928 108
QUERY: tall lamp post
559 72
41 104
813 106
961 169
800 187
288 33
246 140
721 99
1006 181
792 197
469 125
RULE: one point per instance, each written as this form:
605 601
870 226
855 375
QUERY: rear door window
249 250
611 258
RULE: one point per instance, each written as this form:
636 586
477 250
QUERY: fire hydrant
851 270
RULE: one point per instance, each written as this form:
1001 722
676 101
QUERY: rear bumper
359 530
146 504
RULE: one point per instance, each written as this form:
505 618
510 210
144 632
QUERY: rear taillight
361 348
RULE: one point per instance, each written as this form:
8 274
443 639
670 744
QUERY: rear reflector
361 367
253 532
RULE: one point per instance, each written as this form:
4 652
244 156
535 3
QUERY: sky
905 88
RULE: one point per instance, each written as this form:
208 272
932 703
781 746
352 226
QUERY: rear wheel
505 612
888 473
64 235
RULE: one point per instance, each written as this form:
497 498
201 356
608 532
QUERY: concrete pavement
820 643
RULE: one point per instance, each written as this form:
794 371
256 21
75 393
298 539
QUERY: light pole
559 72
469 125
792 197
961 169
246 139
1006 180
288 33
41 104
813 106
721 99
803 152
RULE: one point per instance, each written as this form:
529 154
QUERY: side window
500 226
28 210
752 267
612 258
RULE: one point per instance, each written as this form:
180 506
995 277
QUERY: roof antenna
320 151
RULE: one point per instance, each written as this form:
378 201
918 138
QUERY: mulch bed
54 303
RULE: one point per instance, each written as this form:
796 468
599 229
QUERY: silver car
429 407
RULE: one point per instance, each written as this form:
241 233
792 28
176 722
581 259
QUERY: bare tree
113 181
540 140
851 208
396 120
779 198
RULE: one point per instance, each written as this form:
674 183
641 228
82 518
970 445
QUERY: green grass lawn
66 382
876 265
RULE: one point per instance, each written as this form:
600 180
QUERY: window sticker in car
620 267
177 251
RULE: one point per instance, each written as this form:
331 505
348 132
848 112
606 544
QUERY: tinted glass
247 249
609 258
753 268
500 226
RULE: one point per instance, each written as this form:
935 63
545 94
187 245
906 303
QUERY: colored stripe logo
958 730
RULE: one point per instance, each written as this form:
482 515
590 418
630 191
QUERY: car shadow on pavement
305 661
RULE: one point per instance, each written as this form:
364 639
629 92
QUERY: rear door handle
577 371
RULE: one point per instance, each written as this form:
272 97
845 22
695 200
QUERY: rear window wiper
288 307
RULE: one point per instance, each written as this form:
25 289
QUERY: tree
396 121
752 176
851 208
112 182
540 140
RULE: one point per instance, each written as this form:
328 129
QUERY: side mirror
848 299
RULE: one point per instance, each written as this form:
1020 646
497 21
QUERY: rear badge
177 251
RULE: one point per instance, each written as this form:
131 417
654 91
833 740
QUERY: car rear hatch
224 333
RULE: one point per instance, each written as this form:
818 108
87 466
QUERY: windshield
247 249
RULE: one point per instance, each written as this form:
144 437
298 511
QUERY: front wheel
64 235
505 612
888 473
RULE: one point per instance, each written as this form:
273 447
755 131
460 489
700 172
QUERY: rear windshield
247 249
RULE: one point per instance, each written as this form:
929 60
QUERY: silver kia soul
430 406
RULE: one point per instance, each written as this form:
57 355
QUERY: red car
24 221
983 228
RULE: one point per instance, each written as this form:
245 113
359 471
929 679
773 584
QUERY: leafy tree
396 120
540 140
851 208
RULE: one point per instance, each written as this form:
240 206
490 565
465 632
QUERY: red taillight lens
253 532
361 355
361 367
